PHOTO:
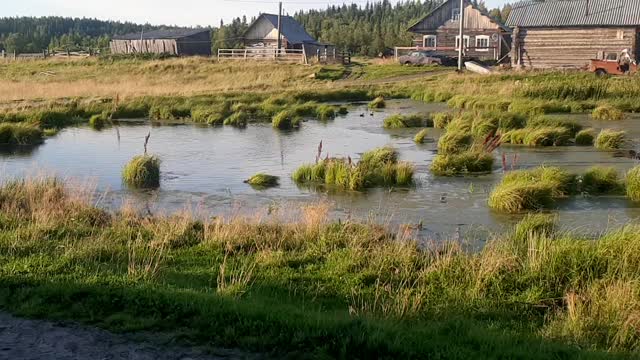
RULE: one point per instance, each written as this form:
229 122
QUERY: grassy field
314 289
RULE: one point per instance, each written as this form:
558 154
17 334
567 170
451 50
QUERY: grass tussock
407 121
99 121
286 120
378 103
454 142
142 171
421 136
536 189
607 113
600 180
263 181
20 134
378 167
611 139
633 184
464 163
586 137
530 293
442 119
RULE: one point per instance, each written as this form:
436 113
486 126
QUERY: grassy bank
314 289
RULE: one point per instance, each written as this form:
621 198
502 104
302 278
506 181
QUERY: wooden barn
485 38
263 32
569 33
177 42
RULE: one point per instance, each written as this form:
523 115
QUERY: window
612 57
455 14
466 42
482 43
429 41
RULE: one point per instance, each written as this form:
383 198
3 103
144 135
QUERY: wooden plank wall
144 46
441 18
571 47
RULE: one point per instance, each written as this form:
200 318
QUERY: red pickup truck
609 66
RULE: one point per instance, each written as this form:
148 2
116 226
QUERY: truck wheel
601 73
407 63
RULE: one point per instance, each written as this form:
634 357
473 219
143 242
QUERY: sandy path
39 340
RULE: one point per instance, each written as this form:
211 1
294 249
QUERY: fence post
15 55
245 54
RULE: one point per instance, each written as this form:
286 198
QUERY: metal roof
291 29
161 34
561 13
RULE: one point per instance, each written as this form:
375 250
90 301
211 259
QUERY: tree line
363 30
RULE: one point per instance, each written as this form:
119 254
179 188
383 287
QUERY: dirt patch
22 339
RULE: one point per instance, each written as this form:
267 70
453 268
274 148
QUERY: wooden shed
178 42
485 38
569 33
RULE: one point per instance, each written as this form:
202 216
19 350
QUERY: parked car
424 58
609 65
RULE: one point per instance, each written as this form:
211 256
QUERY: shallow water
204 168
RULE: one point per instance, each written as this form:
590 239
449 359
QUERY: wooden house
177 42
485 38
569 33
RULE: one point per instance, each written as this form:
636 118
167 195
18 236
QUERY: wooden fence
264 54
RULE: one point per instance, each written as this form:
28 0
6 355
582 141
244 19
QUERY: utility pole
280 27
461 43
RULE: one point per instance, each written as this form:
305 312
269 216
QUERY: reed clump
609 139
633 184
238 119
421 136
454 142
325 112
20 134
536 189
586 137
442 119
378 103
285 120
407 121
143 172
607 113
262 180
600 180
99 121
470 162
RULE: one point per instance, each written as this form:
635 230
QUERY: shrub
610 139
286 120
442 119
19 134
600 180
534 189
454 142
407 121
633 184
326 112
263 180
469 162
142 172
607 113
420 136
238 119
377 103
585 137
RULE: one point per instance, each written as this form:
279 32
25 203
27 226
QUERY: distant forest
363 30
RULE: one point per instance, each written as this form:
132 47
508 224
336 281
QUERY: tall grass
633 184
611 139
607 113
142 171
19 134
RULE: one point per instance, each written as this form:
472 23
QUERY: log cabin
569 33
175 42
485 38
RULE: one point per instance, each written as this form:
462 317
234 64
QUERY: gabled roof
161 34
484 13
559 13
291 29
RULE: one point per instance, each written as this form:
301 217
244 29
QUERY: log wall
543 48
169 47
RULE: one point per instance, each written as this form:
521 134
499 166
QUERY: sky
167 12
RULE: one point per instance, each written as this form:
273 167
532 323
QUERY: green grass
263 181
586 137
20 134
454 142
611 139
238 119
378 103
633 184
464 163
527 190
407 121
601 180
421 136
142 171
607 113
286 120
315 289
442 119
99 121
326 112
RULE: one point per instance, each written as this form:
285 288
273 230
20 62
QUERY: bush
442 119
607 113
286 120
610 139
600 180
469 162
420 136
585 137
407 121
531 189
263 180
633 184
377 103
142 172
20 134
